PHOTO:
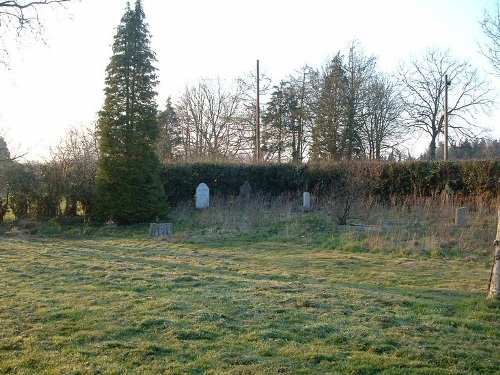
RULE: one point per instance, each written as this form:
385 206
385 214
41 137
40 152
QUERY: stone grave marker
461 216
202 196
161 230
245 190
306 199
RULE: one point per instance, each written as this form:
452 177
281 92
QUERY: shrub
385 181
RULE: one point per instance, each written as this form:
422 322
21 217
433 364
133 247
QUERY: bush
383 180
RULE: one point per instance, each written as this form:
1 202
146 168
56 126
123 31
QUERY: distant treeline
483 148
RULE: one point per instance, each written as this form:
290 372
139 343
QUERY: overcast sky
51 87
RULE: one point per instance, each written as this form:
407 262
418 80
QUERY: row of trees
346 109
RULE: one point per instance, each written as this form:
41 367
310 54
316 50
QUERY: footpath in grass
119 303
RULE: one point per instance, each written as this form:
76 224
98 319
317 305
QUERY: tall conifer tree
330 113
128 186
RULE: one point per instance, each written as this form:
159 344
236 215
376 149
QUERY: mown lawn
116 302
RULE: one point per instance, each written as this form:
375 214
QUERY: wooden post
494 287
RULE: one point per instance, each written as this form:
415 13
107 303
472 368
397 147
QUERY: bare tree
349 187
382 130
302 81
359 70
247 86
72 169
491 29
20 16
210 116
423 86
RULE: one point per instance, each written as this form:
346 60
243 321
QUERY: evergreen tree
4 150
128 186
280 124
331 113
170 133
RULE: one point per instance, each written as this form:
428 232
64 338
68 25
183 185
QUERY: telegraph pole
446 84
301 127
257 118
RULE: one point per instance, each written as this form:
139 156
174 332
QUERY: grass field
251 292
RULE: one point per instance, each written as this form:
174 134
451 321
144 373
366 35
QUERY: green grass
291 295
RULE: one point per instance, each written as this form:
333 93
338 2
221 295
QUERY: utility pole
257 118
446 84
301 126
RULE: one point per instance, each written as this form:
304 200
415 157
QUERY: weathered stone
306 198
461 216
161 230
245 191
202 196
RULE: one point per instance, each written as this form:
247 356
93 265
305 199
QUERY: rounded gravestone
202 196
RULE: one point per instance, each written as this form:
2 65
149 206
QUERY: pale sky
51 87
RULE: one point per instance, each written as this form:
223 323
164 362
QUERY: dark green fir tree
128 186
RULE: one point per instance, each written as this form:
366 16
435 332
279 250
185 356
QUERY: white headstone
306 200
202 196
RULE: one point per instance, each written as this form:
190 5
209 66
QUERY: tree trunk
494 287
432 148
3 209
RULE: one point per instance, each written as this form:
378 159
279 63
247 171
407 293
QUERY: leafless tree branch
20 17
491 29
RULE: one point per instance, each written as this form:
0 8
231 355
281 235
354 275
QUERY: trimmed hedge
180 180
384 180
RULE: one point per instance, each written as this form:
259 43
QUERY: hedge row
384 180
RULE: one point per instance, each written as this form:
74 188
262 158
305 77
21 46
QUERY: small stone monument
161 230
202 196
461 216
245 190
306 199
